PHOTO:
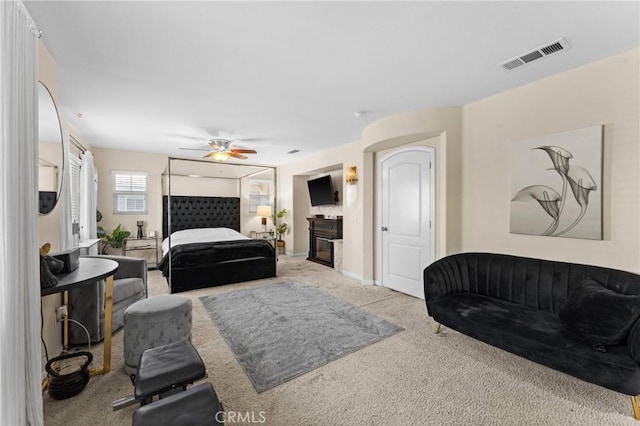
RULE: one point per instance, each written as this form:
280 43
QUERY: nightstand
262 235
145 243
89 247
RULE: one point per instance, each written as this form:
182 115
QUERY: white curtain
66 235
20 392
88 228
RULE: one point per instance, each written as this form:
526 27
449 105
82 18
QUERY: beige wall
440 128
359 230
473 172
293 195
604 92
108 160
443 128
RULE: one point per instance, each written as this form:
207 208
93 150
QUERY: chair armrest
129 267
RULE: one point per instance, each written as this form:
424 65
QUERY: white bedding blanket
201 235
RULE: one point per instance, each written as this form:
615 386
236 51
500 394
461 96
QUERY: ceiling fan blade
195 149
244 151
236 155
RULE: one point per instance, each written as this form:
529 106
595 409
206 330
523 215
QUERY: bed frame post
169 220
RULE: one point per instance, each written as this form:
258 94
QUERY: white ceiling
156 76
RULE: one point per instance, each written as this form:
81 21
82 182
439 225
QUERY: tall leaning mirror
51 153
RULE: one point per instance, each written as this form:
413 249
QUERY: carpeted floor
411 378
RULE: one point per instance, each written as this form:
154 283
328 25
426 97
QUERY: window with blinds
129 192
74 167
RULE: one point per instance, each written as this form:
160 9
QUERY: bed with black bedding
206 246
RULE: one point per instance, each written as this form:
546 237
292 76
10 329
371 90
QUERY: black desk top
90 270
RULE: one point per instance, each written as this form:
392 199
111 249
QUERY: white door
406 232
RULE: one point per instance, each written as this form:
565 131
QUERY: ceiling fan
221 150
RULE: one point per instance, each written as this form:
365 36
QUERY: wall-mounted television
321 191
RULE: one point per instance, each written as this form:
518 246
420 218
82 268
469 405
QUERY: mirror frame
64 157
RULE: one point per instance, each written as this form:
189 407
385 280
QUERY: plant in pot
281 228
115 240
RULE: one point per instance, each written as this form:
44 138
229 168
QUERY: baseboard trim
352 275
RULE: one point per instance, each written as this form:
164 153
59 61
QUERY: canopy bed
205 206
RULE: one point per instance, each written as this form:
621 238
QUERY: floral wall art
556 185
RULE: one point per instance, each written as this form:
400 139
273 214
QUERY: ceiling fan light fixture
221 156
219 143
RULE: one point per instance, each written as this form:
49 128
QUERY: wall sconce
351 180
352 175
265 212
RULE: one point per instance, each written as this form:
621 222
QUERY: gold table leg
108 317
636 409
65 328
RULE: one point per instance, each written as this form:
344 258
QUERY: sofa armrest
633 341
445 277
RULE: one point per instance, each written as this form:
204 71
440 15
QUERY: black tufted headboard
188 212
46 201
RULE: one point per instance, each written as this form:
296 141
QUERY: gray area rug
280 331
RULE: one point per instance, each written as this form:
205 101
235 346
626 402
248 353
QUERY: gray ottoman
154 322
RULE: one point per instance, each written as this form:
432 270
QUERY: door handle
384 228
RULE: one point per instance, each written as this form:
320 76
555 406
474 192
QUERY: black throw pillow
47 279
599 316
55 266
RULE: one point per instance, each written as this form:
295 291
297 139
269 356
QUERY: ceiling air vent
539 53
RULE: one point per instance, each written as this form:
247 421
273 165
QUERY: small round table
89 271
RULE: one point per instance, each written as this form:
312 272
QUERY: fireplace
324 249
321 233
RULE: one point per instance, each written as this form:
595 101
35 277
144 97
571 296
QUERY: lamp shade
264 211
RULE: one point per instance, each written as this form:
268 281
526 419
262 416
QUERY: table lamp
264 212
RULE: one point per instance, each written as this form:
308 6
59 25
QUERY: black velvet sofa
578 319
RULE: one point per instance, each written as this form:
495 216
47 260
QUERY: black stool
167 369
163 371
196 406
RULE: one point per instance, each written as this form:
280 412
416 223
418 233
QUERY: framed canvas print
556 185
